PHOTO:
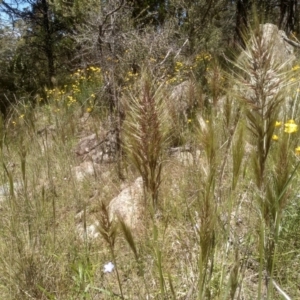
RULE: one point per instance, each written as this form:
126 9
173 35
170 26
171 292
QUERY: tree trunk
241 25
287 15
48 43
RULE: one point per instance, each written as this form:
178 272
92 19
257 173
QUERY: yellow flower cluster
131 75
204 56
71 100
55 93
181 70
290 127
295 77
172 80
84 74
83 81
19 119
90 108
94 69
75 88
178 66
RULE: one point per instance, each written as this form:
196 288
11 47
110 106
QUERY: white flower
108 268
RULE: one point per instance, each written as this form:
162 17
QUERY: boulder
85 169
91 233
182 100
97 149
276 41
129 205
283 52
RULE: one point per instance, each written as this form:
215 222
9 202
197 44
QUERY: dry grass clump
145 134
224 212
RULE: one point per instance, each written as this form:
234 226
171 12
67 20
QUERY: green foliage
8 45
151 12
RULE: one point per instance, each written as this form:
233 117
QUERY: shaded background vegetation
43 41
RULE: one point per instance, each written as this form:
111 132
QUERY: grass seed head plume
261 86
146 132
107 228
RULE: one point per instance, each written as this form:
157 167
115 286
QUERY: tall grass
264 82
226 221
146 133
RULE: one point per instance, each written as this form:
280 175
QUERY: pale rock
98 148
282 51
274 40
182 100
185 156
128 205
5 190
87 168
92 231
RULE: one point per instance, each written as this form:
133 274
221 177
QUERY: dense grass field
221 209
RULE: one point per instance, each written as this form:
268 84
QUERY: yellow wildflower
290 127
297 150
89 109
278 124
189 121
275 137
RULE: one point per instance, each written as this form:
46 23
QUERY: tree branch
293 43
113 11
